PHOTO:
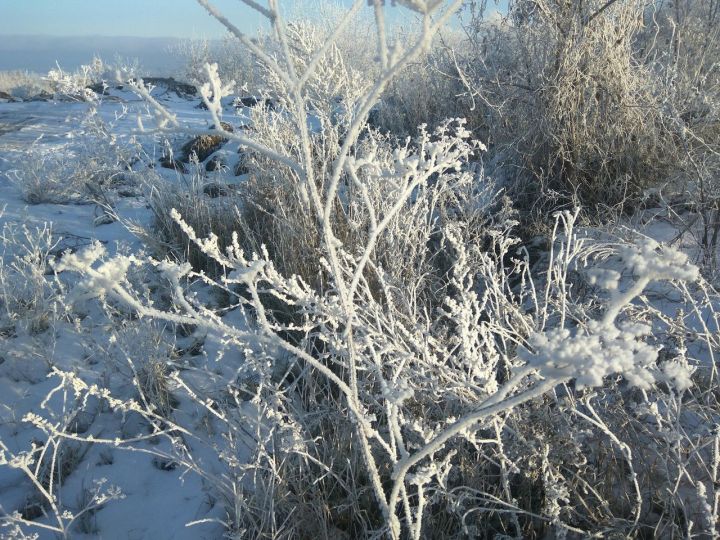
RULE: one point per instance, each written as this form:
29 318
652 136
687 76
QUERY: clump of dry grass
212 215
28 297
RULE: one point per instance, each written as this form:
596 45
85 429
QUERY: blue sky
149 18
179 18
36 34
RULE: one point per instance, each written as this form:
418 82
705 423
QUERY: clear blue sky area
149 18
35 35
179 18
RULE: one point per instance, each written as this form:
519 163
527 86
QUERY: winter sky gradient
37 33
147 18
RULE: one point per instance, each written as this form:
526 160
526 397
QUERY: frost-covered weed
113 352
553 79
28 296
428 343
82 172
50 179
65 85
23 84
75 86
434 379
423 360
234 60
607 105
45 466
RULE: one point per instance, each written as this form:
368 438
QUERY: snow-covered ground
159 498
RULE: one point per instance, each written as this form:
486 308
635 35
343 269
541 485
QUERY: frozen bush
234 61
420 374
28 298
82 172
23 84
570 100
408 390
75 86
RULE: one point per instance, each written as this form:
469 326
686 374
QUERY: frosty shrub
23 84
588 103
40 465
82 173
234 61
579 108
433 380
410 388
391 361
75 86
27 295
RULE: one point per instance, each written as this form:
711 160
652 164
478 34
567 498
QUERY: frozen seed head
589 357
649 259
